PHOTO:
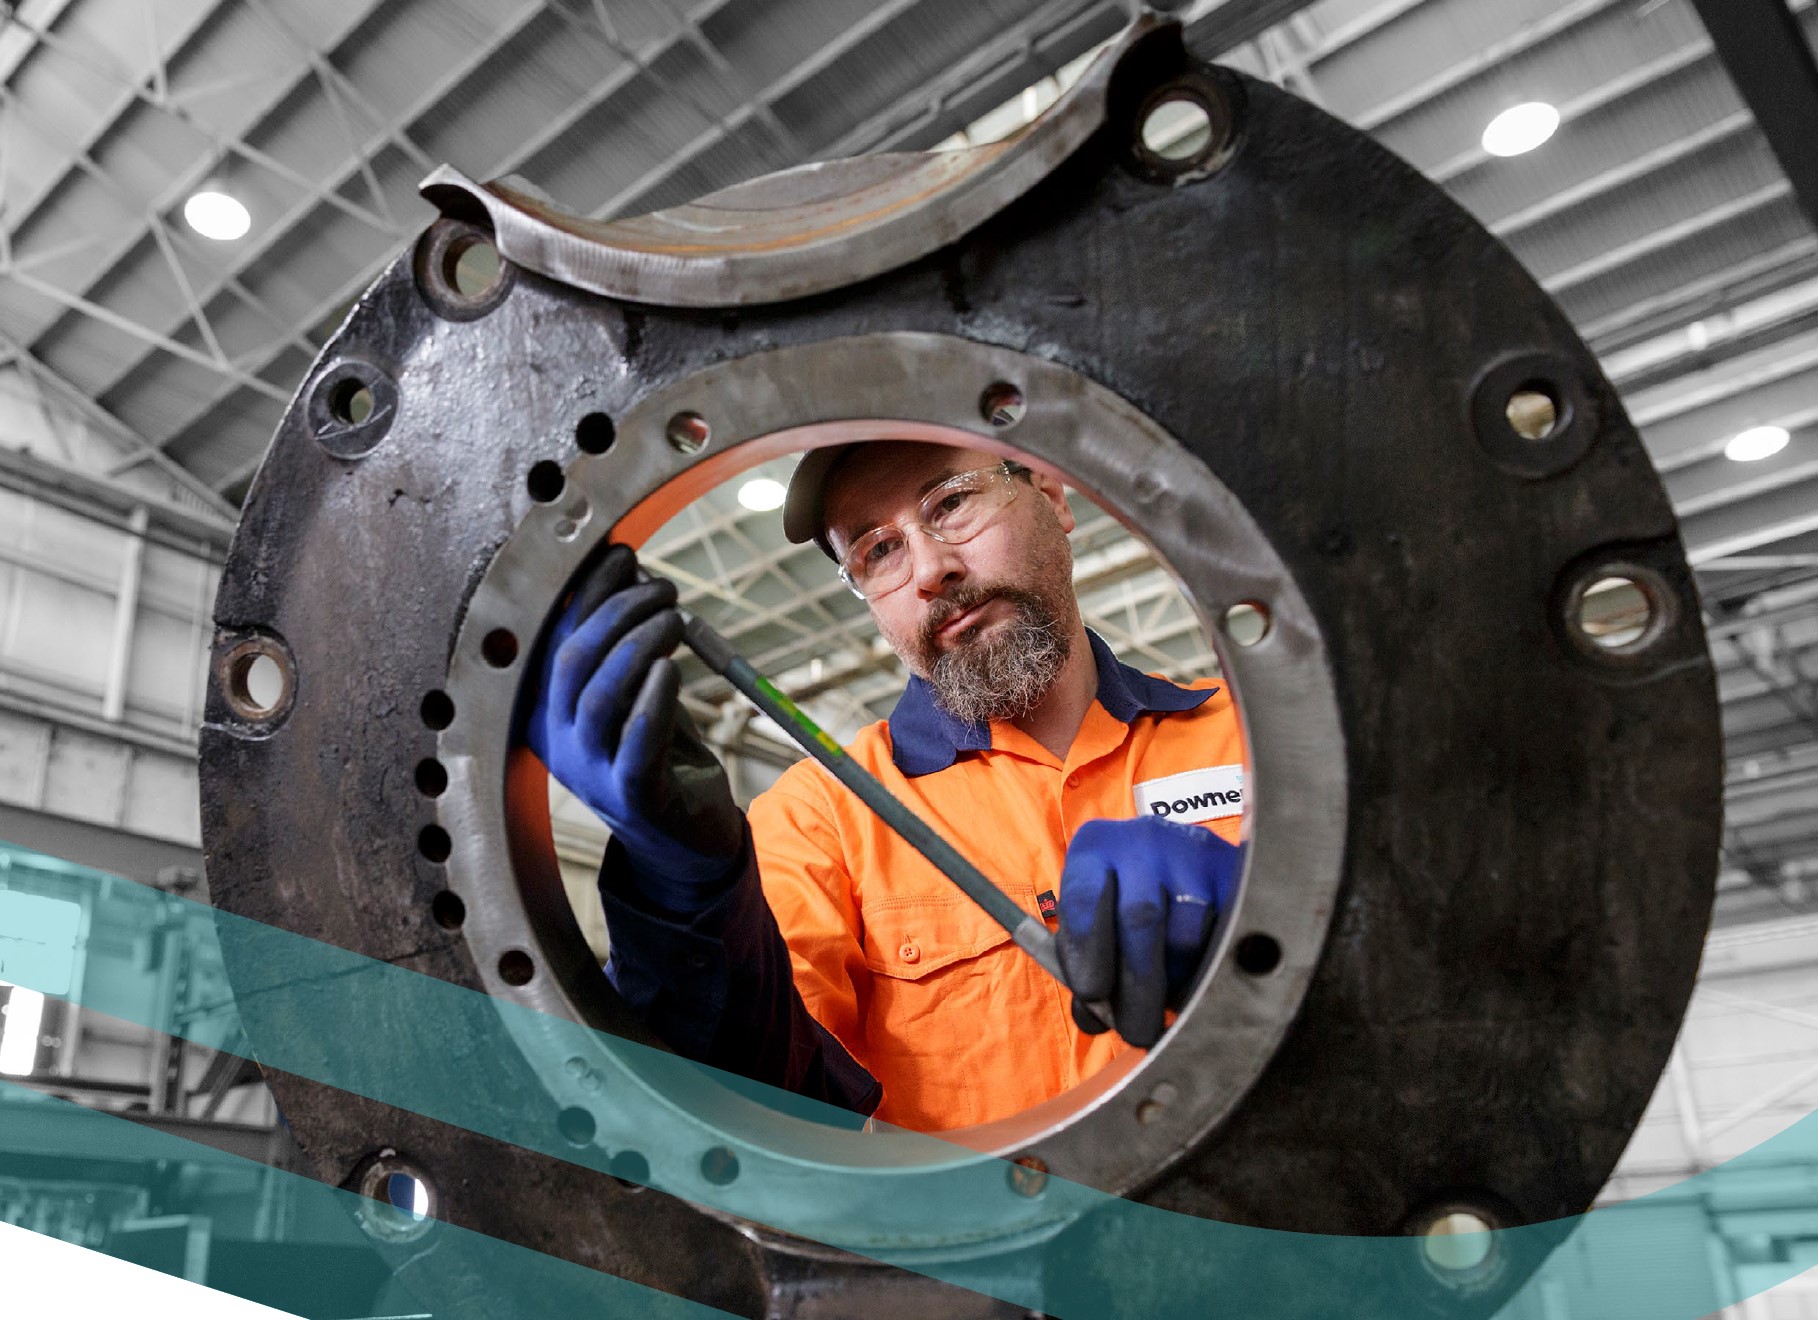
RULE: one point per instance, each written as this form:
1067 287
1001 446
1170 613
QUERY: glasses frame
1010 469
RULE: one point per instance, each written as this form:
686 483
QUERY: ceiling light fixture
216 215
761 494
1756 443
1520 128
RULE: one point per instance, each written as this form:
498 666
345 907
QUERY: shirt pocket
912 937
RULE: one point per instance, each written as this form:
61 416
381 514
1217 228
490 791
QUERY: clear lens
877 561
954 511
958 508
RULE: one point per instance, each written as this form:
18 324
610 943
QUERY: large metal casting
1483 834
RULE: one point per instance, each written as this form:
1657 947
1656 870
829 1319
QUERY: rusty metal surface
1528 836
821 226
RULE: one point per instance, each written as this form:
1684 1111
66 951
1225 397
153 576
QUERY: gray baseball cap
806 500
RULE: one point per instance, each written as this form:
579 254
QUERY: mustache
964 597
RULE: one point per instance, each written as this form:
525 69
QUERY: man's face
987 623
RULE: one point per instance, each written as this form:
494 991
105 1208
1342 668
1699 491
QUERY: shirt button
1073 780
910 953
697 960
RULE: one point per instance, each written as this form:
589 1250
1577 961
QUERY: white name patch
1209 794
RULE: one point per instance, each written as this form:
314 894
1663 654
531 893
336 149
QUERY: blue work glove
1138 900
603 712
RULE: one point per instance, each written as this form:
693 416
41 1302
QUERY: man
810 947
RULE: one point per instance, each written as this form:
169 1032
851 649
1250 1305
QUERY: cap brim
807 496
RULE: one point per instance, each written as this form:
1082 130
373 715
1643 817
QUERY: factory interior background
193 193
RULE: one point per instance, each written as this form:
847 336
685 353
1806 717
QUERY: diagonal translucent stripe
517 1283
333 1016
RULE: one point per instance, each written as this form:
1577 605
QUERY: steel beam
1668 310
1234 22
1679 231
1737 528
46 1130
112 502
1717 483
103 847
126 609
138 448
1488 57
1764 48
270 1146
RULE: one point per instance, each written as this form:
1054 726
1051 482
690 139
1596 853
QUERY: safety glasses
952 513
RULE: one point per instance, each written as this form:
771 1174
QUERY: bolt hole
1457 1242
1247 622
515 967
1003 405
1151 1109
470 265
720 1166
448 910
1615 613
631 1170
499 648
255 685
432 777
1028 1175
595 433
1533 413
433 842
438 710
545 481
688 432
575 515
1258 954
350 402
401 1203
1176 128
350 407
576 1126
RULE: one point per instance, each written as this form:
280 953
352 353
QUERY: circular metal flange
1527 836
1116 1131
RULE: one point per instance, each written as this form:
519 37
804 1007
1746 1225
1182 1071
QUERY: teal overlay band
1081 1253
326 1243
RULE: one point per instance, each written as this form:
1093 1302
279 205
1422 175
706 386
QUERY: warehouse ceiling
1657 215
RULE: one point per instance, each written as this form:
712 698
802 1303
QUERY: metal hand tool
1027 930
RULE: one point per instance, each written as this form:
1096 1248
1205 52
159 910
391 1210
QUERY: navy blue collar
924 738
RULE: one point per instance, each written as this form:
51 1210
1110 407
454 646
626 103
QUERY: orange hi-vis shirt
919 985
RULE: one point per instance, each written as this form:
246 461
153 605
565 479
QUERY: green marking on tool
795 713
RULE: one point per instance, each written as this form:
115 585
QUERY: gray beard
1005 674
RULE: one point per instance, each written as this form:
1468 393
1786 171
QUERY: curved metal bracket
821 226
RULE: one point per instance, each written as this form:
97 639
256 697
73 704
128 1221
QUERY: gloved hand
603 712
1138 899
